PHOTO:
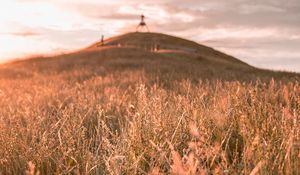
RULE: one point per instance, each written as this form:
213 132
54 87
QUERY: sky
263 33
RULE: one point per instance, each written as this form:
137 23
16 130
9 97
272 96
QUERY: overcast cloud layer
265 33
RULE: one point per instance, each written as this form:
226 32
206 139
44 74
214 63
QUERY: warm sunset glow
158 87
264 34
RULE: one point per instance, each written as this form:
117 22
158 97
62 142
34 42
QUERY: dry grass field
125 110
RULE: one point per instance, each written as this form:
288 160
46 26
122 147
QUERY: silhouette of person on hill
102 40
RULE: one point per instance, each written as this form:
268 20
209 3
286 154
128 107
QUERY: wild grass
129 120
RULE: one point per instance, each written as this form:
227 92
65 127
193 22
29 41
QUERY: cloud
25 34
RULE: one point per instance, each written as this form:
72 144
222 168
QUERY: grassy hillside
148 40
122 109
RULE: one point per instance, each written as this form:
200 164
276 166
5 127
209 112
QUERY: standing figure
102 40
142 24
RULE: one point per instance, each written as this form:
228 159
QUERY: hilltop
151 52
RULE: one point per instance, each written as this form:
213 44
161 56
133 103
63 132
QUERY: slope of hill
167 42
147 103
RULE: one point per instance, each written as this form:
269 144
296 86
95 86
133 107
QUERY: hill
147 103
168 43
151 52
